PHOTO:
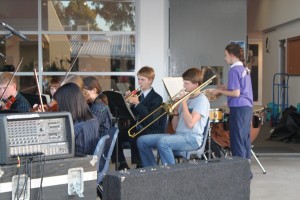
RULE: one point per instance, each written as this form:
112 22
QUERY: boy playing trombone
189 120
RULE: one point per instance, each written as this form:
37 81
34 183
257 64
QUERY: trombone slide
168 107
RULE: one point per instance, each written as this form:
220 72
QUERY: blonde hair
75 79
147 72
5 78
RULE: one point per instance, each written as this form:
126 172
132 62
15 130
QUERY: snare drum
220 133
216 115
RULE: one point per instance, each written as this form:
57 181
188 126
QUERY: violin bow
38 88
72 65
20 62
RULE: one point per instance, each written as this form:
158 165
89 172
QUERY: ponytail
237 51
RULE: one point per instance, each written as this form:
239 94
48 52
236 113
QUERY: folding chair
99 150
104 158
199 152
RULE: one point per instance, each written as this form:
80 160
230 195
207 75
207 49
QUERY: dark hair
55 81
91 82
69 98
194 75
237 51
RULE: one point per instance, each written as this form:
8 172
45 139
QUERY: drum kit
220 124
219 128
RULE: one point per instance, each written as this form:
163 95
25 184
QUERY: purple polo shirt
238 79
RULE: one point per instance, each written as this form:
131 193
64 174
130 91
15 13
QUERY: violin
7 104
50 107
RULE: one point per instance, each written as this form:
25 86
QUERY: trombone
168 107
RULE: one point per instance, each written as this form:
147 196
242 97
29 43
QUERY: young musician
98 103
11 95
189 120
69 98
240 101
54 85
141 106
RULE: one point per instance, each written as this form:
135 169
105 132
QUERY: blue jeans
239 128
165 144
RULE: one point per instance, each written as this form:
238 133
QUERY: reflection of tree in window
118 16
77 13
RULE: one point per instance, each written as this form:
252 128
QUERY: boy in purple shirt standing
240 101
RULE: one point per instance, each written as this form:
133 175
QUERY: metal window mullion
40 46
104 33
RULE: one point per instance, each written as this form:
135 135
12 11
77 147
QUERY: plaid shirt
102 113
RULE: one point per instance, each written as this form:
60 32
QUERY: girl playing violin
12 99
54 84
98 103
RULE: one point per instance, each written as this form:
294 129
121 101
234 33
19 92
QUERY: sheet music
173 85
123 87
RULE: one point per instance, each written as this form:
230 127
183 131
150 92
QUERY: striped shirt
86 137
21 104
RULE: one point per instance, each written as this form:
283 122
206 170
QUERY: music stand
119 109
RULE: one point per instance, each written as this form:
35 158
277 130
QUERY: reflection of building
104 54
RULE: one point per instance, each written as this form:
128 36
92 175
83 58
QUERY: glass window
27 84
84 15
21 15
83 35
116 83
14 49
101 53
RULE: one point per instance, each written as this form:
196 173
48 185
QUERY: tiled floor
282 163
281 180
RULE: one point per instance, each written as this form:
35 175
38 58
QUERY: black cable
42 166
24 188
30 172
42 178
40 163
19 174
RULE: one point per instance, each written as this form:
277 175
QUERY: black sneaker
139 165
123 166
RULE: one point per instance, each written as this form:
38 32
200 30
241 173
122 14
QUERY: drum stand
254 155
228 156
209 151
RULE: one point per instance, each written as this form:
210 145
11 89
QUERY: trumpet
168 107
134 92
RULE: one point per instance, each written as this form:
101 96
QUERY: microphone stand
5 37
13 31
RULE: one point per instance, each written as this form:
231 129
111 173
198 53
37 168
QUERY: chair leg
157 158
262 168
204 156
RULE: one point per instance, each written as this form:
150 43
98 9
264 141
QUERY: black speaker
225 179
